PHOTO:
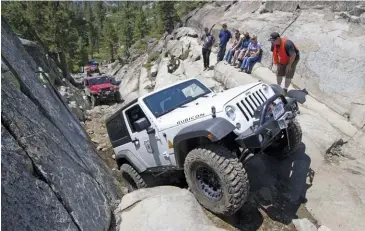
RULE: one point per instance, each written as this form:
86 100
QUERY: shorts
281 70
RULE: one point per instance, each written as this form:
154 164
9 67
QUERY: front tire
217 179
118 97
131 177
280 148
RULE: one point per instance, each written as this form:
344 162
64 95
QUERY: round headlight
231 112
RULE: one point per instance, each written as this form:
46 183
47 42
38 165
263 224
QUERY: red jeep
99 88
92 67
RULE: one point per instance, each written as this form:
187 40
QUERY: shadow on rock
277 187
299 95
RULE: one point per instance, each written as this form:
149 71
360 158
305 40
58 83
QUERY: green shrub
141 45
148 66
185 55
153 57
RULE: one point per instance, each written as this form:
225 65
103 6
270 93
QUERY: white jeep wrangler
208 135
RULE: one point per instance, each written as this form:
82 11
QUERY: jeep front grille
250 103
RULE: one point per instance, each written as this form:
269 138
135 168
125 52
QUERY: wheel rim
208 182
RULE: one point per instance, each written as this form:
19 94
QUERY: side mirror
118 82
141 124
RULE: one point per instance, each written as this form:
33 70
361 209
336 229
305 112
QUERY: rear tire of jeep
217 179
131 178
282 150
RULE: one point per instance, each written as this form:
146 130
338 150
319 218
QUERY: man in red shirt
285 56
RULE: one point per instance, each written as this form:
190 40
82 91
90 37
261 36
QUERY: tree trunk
111 50
64 68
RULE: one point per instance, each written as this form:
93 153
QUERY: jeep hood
201 107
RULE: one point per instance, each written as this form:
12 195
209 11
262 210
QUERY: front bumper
106 94
266 127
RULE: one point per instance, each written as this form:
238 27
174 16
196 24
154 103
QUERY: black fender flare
277 89
126 156
213 129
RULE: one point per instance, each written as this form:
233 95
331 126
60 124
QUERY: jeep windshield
175 96
99 80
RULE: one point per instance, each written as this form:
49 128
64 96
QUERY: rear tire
216 178
280 148
131 178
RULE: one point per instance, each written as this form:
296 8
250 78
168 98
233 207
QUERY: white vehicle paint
152 150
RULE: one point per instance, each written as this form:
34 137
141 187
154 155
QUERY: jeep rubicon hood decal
201 107
194 117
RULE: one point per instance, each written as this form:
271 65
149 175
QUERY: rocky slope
327 172
329 34
49 163
52 177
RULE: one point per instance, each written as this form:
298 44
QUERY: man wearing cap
224 36
285 56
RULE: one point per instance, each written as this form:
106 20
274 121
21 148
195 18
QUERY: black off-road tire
132 178
118 97
94 101
229 172
280 150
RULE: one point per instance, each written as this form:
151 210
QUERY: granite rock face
332 57
52 177
162 208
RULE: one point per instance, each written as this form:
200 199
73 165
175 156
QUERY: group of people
246 51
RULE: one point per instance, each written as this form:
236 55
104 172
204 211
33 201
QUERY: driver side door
144 143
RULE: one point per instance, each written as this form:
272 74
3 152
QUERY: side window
117 130
133 114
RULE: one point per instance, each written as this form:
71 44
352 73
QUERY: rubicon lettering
190 119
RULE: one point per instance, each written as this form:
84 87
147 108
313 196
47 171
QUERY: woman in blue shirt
252 55
241 52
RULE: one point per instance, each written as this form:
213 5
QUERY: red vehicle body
99 88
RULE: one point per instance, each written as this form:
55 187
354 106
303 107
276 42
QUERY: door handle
135 141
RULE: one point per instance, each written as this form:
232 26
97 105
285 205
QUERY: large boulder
130 76
185 31
162 208
52 176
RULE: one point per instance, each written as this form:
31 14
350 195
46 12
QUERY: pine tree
111 38
168 15
140 25
127 27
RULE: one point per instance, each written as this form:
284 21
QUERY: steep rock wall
52 177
